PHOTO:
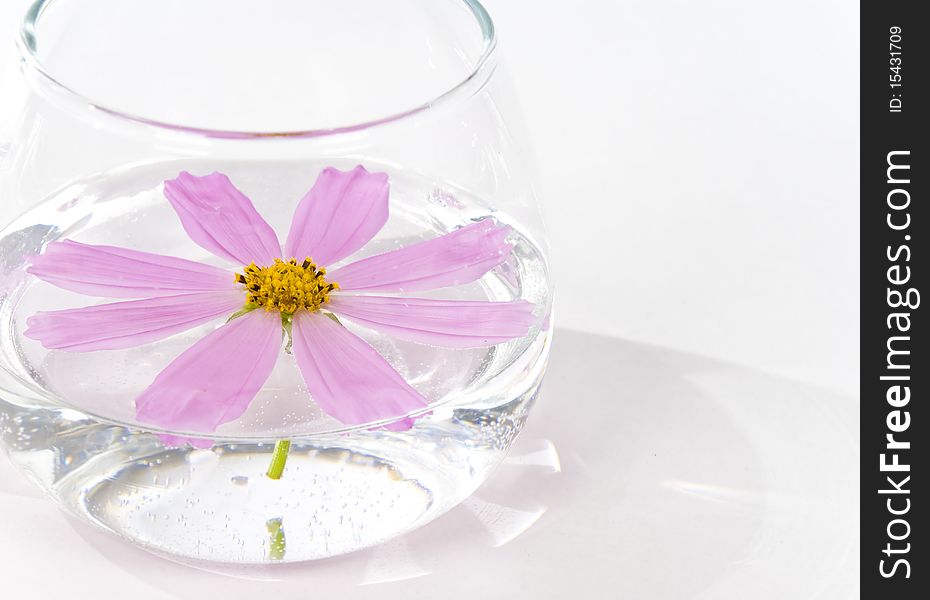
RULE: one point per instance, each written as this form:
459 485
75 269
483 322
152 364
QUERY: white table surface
697 436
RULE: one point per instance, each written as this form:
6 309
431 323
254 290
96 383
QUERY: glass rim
28 50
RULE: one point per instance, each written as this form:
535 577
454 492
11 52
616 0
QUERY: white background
698 164
699 167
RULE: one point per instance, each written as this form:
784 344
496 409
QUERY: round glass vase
274 284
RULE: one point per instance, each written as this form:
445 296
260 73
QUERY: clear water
67 419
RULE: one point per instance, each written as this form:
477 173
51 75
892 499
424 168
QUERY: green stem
278 545
287 322
278 458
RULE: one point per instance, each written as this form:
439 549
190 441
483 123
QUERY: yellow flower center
286 286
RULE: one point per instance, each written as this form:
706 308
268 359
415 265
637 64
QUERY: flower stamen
286 286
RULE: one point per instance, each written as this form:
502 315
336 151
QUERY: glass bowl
274 282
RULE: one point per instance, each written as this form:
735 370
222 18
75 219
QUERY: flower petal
128 324
339 215
221 219
114 272
213 381
452 259
347 378
449 323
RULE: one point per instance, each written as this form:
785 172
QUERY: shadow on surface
643 473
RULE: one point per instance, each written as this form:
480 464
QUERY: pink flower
213 381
